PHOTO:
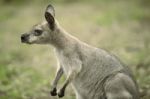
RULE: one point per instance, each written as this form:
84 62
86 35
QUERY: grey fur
93 72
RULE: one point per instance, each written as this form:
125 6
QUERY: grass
120 27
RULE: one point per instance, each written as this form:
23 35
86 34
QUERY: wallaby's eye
37 32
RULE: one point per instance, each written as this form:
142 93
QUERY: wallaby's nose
24 38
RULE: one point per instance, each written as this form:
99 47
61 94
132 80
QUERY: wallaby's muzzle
24 38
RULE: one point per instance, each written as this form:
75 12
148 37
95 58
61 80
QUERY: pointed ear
49 16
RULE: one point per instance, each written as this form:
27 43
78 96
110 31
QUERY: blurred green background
119 26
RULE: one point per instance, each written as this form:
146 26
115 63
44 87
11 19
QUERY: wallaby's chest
67 60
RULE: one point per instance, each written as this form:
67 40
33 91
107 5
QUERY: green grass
121 27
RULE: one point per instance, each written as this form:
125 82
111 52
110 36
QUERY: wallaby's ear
49 16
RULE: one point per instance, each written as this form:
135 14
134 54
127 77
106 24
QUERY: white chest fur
69 61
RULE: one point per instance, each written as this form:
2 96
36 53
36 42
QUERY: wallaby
93 72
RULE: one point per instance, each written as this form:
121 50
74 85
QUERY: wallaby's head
41 33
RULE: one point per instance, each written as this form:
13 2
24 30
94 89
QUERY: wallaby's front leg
59 73
69 78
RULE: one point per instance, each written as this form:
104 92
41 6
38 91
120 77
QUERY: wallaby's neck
61 39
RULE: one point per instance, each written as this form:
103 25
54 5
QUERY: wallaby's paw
61 93
53 92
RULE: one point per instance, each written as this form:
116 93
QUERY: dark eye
37 32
